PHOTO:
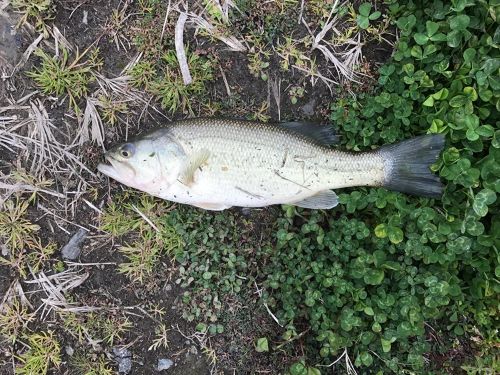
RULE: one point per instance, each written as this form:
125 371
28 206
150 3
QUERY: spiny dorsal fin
194 162
323 134
323 200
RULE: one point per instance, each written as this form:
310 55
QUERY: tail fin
408 162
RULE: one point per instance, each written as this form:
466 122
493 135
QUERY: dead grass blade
34 138
26 55
91 123
59 39
231 41
14 183
345 70
55 287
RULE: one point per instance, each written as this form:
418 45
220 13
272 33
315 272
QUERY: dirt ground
80 202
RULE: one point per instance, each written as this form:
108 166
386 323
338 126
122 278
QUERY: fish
215 164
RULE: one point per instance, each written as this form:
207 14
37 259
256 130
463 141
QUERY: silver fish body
216 164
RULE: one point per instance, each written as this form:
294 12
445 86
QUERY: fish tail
407 165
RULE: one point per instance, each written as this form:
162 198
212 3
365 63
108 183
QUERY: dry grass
56 287
34 139
15 313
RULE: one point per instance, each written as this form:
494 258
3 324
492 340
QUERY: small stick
301 12
259 292
179 48
145 218
165 22
225 81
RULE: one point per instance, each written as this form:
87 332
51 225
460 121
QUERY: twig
146 218
276 90
228 90
165 21
351 370
301 12
259 293
179 48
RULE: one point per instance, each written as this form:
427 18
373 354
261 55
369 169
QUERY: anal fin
210 206
194 162
323 200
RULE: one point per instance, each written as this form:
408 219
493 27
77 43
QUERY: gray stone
123 357
72 249
164 364
308 108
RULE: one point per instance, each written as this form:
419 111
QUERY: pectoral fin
323 200
194 162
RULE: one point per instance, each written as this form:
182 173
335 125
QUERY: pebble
123 357
308 108
72 249
164 364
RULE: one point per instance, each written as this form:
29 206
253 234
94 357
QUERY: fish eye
127 150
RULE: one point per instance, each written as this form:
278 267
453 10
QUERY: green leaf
366 358
471 135
436 126
207 275
471 93
453 38
375 15
485 94
416 52
395 235
420 38
374 276
491 66
431 27
201 327
458 101
381 231
485 130
459 5
460 22
298 368
313 371
405 24
482 200
386 345
364 9
439 37
429 102
441 94
363 22
469 55
262 345
429 50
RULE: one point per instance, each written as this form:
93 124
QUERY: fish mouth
108 168
116 169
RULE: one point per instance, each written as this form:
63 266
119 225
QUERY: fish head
145 164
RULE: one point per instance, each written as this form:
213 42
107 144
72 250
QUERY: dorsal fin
322 134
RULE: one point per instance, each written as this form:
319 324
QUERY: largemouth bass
216 164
